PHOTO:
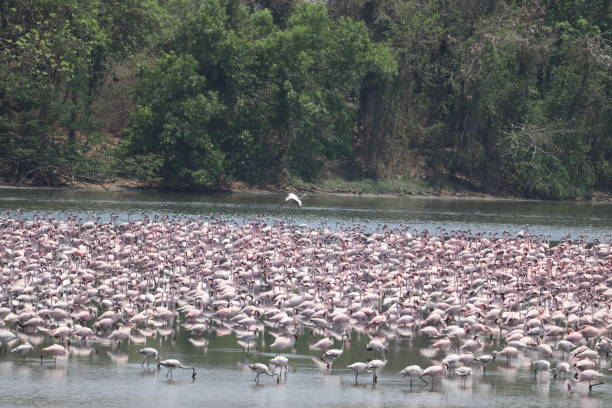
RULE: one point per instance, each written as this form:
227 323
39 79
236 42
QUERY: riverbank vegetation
504 97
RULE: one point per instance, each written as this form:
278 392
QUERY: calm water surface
554 219
101 375
96 375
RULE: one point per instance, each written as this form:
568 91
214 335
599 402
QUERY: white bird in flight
296 199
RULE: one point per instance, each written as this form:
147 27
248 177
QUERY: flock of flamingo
76 280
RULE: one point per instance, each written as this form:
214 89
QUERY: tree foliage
54 55
510 96
294 88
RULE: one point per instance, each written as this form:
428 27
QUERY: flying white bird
296 199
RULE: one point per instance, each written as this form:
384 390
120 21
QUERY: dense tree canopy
231 80
508 96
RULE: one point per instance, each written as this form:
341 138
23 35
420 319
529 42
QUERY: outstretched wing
294 198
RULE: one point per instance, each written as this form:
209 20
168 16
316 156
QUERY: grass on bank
365 186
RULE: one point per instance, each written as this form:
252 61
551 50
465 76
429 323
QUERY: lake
101 374
554 220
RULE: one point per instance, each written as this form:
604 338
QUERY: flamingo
413 371
484 360
282 362
540 365
171 364
219 275
463 373
375 366
55 350
434 371
562 367
585 364
23 349
324 344
247 338
377 346
260 368
282 343
358 367
148 352
508 352
585 376
333 354
6 336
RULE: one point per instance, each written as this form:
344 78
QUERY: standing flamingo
434 371
148 352
23 349
282 362
585 376
413 371
55 350
463 373
358 367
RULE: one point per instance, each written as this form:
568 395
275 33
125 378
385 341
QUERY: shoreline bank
238 187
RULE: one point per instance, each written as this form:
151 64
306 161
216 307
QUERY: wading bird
358 367
148 352
260 368
23 349
282 362
54 350
585 376
413 371
172 364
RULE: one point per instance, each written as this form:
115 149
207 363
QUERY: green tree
53 56
276 94
174 120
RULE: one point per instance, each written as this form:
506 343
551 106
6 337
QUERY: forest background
495 96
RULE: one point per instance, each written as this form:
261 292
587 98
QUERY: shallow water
99 376
550 219
102 375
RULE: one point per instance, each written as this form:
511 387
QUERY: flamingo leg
422 379
325 361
